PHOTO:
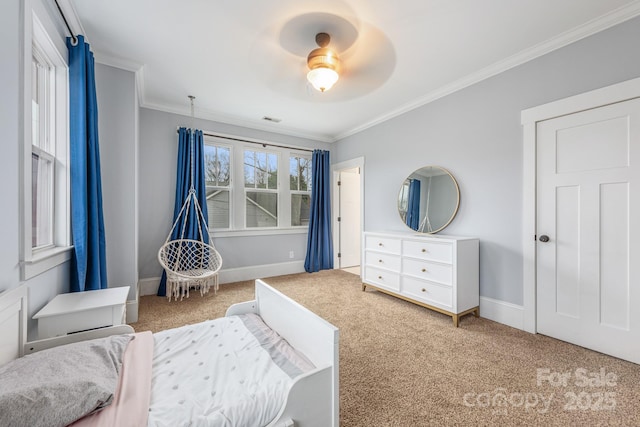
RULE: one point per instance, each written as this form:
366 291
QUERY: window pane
41 201
40 73
217 165
300 174
300 209
218 208
249 169
261 209
273 171
305 168
260 170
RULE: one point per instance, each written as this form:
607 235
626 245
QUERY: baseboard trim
150 286
260 271
502 312
132 311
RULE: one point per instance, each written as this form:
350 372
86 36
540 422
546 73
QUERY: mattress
232 371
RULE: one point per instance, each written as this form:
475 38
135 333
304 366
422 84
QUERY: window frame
35 261
237 190
255 189
229 188
300 155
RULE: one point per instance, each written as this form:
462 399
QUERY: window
217 169
44 179
250 191
42 153
261 188
300 186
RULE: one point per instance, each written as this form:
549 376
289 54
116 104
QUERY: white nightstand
80 311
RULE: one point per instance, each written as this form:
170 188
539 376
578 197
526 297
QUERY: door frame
529 118
358 162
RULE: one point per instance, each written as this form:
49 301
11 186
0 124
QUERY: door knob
544 238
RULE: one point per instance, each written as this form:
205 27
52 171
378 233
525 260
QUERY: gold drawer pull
424 270
424 250
380 277
424 290
380 244
379 260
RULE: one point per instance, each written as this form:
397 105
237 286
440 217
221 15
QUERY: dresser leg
476 312
456 320
364 287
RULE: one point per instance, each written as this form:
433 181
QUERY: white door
588 229
349 214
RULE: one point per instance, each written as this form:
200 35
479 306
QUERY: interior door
349 213
588 218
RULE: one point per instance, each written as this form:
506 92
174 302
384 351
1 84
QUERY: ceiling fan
361 55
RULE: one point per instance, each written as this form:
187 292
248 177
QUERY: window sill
42 261
260 232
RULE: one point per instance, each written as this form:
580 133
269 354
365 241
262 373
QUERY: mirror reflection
428 199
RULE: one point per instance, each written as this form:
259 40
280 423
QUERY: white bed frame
313 399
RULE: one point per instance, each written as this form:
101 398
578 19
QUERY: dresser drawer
386 279
383 244
441 273
383 260
429 293
432 251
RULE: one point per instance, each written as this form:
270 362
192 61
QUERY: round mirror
429 199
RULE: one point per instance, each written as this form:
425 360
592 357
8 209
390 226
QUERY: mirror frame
455 211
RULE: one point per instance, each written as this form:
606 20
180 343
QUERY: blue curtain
89 263
413 208
319 243
188 140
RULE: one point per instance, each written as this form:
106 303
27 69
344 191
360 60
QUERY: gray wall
157 174
118 129
118 147
476 134
45 286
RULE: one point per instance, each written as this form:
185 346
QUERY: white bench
81 311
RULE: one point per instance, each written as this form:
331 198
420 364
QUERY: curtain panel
319 242
89 264
190 171
413 209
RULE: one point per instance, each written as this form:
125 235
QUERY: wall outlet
290 254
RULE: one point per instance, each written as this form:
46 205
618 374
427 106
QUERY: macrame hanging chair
189 263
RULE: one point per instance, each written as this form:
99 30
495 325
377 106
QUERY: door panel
588 205
567 237
614 247
350 218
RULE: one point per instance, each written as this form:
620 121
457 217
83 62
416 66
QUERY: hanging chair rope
190 263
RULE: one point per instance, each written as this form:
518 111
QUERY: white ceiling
244 60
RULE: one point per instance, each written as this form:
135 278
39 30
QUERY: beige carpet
403 365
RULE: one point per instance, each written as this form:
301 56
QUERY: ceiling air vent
272 119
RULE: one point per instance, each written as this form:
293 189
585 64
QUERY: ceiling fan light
324 64
322 78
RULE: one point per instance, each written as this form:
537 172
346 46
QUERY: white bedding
231 371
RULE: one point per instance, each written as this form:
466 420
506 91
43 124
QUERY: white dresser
434 271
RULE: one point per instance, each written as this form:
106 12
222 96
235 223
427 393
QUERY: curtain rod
64 18
264 144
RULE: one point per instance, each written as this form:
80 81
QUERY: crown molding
594 26
117 62
235 121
